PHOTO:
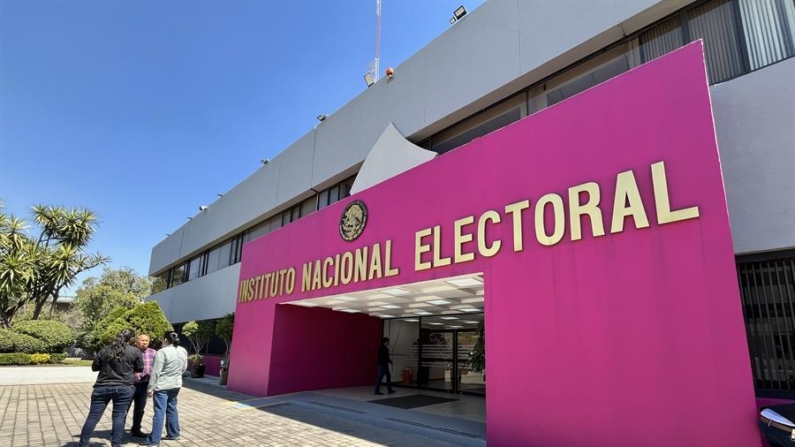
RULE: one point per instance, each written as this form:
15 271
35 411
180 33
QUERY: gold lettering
438 260
336 270
662 198
327 281
290 280
316 281
461 239
559 221
360 269
250 293
388 270
274 288
282 274
482 248
516 209
306 277
627 191
347 267
419 249
375 263
591 208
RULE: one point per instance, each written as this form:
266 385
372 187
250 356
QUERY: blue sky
144 110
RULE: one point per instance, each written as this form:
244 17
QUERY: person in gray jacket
165 382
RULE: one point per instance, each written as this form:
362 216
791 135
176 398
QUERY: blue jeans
121 397
165 407
383 371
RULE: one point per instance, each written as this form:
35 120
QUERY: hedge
16 358
54 335
13 342
38 359
57 358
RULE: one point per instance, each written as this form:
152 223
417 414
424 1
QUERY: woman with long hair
116 364
165 382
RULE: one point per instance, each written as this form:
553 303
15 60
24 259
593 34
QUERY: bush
57 358
55 336
13 342
146 318
38 359
93 340
16 358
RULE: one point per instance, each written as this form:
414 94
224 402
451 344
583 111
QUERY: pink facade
634 337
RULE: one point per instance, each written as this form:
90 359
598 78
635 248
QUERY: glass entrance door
437 360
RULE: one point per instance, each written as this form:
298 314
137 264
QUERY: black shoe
391 392
139 434
378 393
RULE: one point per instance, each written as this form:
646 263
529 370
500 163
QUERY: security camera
264 161
203 208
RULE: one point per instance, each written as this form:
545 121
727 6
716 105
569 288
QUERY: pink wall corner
249 359
315 348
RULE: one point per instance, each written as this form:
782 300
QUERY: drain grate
446 430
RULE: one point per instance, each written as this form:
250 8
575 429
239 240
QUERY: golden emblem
353 220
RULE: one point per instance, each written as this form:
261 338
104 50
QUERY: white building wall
755 122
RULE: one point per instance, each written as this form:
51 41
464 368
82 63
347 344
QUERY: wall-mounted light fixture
219 194
190 218
322 117
203 208
368 78
264 161
458 14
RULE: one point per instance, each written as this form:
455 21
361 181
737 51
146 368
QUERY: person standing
116 364
165 382
141 383
383 368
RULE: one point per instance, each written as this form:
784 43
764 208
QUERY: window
258 230
714 22
479 125
236 249
769 28
178 274
160 282
308 206
195 267
322 199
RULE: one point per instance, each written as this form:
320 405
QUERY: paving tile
52 416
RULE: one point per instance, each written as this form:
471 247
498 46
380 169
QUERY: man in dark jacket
383 367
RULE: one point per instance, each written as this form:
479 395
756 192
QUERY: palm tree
34 270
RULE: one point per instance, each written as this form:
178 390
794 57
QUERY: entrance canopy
459 295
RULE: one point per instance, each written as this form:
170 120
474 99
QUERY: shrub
16 358
54 335
38 359
146 318
13 342
57 358
93 340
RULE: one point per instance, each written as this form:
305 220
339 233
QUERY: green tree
199 335
477 358
146 318
34 269
224 328
97 297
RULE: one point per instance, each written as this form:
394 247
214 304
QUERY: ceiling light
411 320
385 316
396 292
436 324
472 310
346 298
305 304
419 305
439 302
470 322
351 311
422 312
390 306
465 282
455 327
449 318
472 300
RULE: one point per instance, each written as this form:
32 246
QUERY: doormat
413 401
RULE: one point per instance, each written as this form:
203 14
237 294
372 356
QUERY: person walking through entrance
383 367
116 364
141 382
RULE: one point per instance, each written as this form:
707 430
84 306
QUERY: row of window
230 251
739 36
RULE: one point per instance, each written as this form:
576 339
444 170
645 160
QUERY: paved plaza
52 415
